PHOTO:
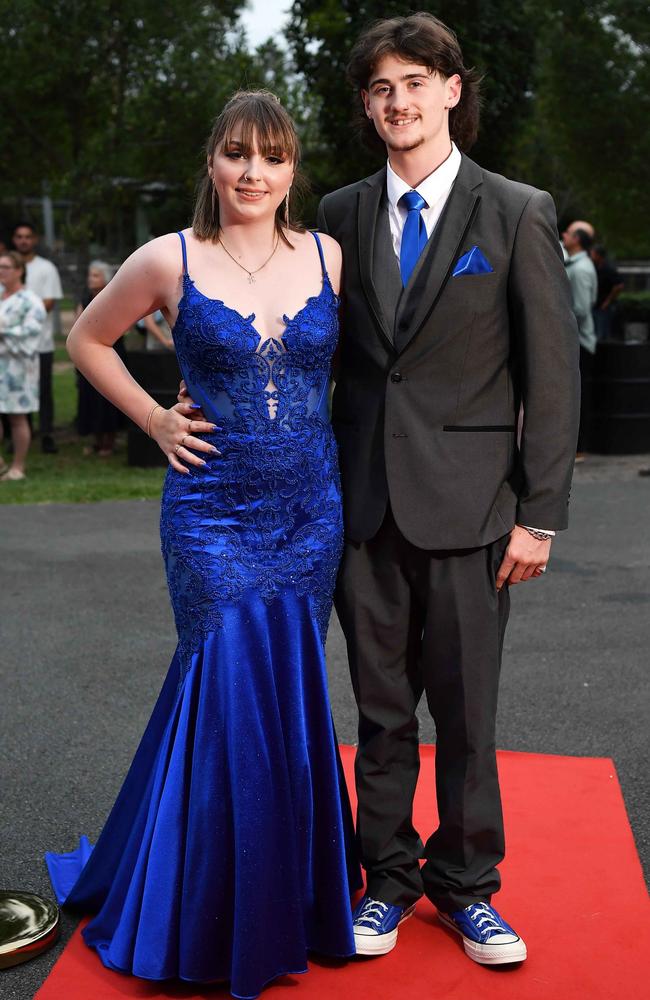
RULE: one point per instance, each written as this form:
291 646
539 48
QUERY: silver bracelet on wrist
541 536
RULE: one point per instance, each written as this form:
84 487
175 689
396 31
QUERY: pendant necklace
251 274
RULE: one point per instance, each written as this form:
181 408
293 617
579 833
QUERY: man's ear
365 98
453 88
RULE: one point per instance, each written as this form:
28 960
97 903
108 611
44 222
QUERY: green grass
71 477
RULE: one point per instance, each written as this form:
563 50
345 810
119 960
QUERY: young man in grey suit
455 311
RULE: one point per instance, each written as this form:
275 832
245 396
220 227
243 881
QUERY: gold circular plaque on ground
29 925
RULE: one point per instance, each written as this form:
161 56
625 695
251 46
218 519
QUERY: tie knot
414 202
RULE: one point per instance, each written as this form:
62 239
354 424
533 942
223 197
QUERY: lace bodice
243 380
265 514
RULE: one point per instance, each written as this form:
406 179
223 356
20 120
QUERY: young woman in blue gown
228 853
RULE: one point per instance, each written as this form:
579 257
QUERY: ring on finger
177 448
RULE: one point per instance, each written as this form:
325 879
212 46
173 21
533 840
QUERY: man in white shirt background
42 279
578 240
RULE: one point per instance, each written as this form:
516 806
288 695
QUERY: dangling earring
213 192
286 209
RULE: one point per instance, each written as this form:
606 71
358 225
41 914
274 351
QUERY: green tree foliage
588 140
566 98
498 37
101 97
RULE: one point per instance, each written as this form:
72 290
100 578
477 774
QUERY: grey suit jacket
426 401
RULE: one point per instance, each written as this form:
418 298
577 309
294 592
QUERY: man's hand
188 405
524 558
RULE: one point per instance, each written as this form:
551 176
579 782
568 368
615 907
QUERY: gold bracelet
151 412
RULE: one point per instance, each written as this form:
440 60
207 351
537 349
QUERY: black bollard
158 373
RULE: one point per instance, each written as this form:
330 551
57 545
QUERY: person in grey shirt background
583 279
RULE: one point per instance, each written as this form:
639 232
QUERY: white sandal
12 476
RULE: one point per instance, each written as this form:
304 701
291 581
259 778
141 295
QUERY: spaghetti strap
184 249
320 253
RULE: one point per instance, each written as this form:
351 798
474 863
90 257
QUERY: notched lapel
441 253
368 209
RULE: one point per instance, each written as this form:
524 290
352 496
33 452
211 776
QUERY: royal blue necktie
414 237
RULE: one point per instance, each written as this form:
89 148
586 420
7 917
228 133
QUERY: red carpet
572 887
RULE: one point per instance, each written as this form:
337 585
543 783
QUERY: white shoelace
372 906
482 915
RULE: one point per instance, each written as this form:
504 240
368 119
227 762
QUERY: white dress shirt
434 189
43 279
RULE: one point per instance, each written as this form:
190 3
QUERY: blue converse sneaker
487 938
375 925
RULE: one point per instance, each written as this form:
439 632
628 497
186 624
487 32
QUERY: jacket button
396 377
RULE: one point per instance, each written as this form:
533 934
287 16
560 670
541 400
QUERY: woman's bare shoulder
160 258
329 243
166 249
333 259
332 251
305 241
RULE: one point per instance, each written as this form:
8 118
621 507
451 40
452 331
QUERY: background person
95 414
582 276
42 279
610 286
22 315
157 333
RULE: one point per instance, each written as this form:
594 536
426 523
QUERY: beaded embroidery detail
265 515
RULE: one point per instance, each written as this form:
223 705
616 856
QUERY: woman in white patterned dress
22 315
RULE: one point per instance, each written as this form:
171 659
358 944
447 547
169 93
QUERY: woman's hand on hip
175 430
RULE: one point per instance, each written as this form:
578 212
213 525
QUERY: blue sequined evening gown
227 855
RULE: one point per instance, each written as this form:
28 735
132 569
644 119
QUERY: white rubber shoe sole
380 944
488 954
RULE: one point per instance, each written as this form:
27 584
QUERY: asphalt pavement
86 636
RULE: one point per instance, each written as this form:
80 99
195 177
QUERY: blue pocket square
473 262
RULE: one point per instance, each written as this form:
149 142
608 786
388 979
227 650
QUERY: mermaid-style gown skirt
228 853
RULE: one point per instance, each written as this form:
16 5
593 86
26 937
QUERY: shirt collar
432 188
572 258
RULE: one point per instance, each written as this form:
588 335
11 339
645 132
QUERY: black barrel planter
158 373
620 422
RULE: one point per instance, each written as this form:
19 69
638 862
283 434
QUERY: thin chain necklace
251 274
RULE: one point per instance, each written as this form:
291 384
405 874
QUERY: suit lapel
368 210
436 264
